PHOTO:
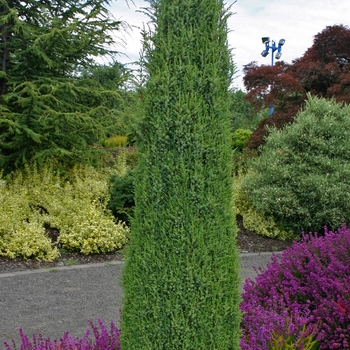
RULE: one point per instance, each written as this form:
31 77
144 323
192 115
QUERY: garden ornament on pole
273 47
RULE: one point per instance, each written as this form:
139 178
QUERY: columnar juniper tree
181 280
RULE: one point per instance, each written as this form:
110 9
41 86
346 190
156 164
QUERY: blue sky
296 21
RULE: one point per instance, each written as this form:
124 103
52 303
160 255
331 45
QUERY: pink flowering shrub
104 340
304 292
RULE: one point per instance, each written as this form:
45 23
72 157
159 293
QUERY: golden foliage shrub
90 230
115 141
75 204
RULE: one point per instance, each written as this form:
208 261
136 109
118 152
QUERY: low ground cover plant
74 203
101 338
302 296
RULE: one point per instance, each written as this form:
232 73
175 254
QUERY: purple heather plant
308 285
104 340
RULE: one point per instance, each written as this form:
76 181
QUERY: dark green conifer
48 109
181 279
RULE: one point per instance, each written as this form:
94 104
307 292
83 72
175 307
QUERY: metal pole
272 56
273 47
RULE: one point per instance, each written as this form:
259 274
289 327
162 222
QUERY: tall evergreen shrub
181 288
302 177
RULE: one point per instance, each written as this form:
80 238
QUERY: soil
247 242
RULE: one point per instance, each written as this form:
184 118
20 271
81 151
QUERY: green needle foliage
181 282
47 107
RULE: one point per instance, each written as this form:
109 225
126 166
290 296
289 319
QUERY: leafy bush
104 339
90 230
22 231
75 204
302 177
260 224
115 141
121 191
240 139
303 291
132 156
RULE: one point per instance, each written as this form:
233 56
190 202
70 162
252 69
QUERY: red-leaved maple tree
324 70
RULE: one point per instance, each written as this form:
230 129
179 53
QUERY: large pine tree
47 109
181 279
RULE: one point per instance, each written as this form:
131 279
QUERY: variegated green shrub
261 224
75 204
302 176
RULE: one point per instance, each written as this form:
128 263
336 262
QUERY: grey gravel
52 301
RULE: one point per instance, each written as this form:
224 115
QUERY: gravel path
52 301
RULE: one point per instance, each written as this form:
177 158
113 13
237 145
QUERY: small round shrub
115 141
91 230
302 176
27 239
240 139
121 191
303 292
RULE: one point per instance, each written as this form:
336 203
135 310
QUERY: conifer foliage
45 109
181 288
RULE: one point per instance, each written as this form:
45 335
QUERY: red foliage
325 67
267 84
324 70
278 119
275 85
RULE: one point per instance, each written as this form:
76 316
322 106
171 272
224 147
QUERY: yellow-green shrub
22 230
115 141
83 219
240 139
74 204
91 230
294 342
27 239
253 221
